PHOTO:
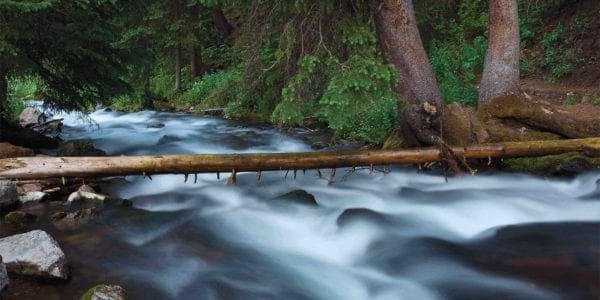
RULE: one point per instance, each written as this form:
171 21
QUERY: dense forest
299 149
346 65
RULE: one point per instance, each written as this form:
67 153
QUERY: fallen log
56 167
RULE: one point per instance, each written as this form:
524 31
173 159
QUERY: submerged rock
72 220
8 194
34 254
105 292
83 147
155 125
3 276
299 197
19 218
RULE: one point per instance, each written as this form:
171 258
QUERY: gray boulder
83 147
31 116
34 254
32 197
3 276
8 194
105 292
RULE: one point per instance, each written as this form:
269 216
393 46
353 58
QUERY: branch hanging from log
51 167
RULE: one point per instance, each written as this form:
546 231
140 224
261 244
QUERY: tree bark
501 69
400 42
178 67
177 17
3 94
570 121
51 167
221 24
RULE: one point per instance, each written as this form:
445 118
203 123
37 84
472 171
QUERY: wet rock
127 203
31 116
3 276
108 109
19 218
165 139
8 150
299 197
34 254
363 214
561 255
105 292
86 188
575 166
83 147
155 125
81 196
73 220
31 187
8 194
319 145
32 197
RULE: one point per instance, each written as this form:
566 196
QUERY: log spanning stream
401 235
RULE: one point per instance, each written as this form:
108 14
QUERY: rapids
402 235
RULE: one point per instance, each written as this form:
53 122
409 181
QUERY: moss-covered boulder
105 292
566 164
19 219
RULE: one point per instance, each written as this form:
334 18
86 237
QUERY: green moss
562 164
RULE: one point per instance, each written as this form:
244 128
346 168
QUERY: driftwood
56 167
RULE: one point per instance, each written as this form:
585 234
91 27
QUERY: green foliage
22 88
69 45
26 87
570 99
209 90
128 102
456 65
458 51
559 56
359 102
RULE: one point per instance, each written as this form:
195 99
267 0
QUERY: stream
401 235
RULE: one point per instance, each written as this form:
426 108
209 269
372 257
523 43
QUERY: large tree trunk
501 70
48 167
221 24
401 44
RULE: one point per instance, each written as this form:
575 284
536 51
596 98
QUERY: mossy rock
566 164
19 218
105 292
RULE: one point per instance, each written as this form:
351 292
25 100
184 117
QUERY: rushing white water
372 236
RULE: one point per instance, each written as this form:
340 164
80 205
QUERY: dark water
403 235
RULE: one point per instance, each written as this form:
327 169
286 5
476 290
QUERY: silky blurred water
402 235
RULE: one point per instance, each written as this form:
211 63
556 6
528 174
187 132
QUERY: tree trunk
177 16
3 94
198 67
178 67
221 24
50 167
400 42
148 101
501 70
